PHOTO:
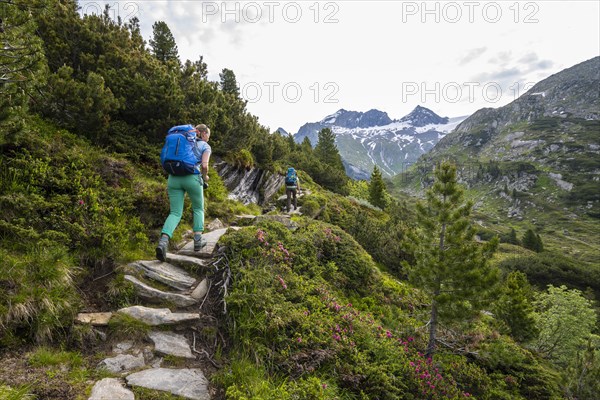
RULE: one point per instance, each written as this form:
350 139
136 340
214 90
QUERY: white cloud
369 51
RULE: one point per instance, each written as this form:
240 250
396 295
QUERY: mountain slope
534 162
372 138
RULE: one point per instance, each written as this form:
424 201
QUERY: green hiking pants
177 187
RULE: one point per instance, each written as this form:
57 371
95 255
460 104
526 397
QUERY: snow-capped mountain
366 139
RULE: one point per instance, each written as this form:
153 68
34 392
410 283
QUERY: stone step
207 251
110 389
122 363
188 383
169 343
95 319
158 316
192 263
152 294
164 272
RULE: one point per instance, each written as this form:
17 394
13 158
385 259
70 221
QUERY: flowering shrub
294 312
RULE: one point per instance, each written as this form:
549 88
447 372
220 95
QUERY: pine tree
377 192
514 307
22 61
229 83
306 146
163 44
512 237
539 244
450 266
326 150
532 241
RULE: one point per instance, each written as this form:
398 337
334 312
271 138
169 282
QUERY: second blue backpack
291 177
177 156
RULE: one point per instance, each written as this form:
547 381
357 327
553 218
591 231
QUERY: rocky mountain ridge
373 138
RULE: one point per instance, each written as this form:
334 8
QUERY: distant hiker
292 185
185 157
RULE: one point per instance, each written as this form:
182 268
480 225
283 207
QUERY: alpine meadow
427 258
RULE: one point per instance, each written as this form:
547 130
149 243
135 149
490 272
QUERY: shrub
310 206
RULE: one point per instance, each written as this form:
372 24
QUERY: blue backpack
177 156
290 177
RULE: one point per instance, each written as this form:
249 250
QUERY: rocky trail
172 298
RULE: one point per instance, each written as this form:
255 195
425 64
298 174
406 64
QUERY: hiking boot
161 249
199 242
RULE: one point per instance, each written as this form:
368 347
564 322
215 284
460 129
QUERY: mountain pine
229 83
450 266
532 241
377 192
326 150
163 43
514 307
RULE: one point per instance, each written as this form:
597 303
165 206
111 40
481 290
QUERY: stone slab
110 389
169 343
166 273
95 319
158 316
211 243
188 383
122 363
186 261
148 292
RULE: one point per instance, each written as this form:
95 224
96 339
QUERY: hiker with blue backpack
292 186
185 156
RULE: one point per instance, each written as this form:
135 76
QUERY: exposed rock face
249 186
188 383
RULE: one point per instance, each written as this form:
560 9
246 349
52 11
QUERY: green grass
122 326
45 356
20 393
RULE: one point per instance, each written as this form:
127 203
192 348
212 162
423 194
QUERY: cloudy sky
298 61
